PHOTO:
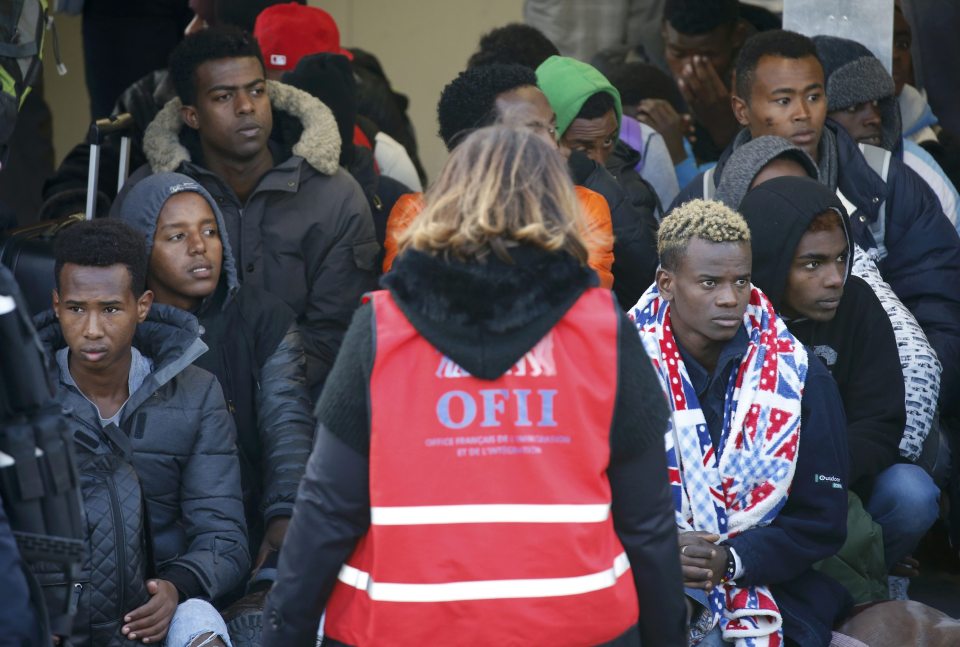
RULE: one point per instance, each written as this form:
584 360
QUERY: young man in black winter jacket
802 261
299 225
255 347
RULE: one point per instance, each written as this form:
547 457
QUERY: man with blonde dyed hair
756 446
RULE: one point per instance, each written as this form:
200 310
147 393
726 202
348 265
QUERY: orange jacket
597 230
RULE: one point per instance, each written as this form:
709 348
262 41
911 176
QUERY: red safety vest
490 503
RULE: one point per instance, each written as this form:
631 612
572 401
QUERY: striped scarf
744 482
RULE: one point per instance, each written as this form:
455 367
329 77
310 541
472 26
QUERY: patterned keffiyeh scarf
744 482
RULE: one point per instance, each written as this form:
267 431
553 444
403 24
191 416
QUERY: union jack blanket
743 483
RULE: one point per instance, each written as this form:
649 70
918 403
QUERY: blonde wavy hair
706 219
501 187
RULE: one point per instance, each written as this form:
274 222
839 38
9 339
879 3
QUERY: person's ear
741 110
143 305
55 298
189 116
664 282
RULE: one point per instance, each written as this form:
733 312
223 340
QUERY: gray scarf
828 163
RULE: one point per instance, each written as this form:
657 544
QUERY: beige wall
422 45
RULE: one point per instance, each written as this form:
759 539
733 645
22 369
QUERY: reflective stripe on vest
490 505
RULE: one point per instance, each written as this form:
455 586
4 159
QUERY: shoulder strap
878 159
708 188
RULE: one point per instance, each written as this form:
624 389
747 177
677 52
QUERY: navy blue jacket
813 523
17 616
923 264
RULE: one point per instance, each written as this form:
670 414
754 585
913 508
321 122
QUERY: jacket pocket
365 255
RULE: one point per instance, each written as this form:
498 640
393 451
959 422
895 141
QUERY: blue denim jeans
192 619
905 502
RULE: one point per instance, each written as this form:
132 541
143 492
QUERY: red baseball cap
288 32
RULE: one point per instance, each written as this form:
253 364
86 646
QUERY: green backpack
22 24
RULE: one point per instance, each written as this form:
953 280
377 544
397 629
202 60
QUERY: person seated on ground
492 291
589 117
919 123
298 225
328 77
288 33
701 39
801 261
64 193
861 98
482 96
255 347
756 448
125 371
767 157
518 44
780 91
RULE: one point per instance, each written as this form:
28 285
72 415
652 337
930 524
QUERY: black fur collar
486 315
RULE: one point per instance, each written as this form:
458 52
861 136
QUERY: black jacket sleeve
285 423
813 523
336 279
642 507
332 510
872 389
331 514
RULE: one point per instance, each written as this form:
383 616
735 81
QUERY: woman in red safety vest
488 467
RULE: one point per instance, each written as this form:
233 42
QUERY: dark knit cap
854 75
329 78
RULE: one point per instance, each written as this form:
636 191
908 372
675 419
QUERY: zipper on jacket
75 598
120 543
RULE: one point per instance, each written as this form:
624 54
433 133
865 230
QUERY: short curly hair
514 44
102 243
705 219
779 43
222 41
694 17
469 101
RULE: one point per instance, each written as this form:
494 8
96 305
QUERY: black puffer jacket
183 446
117 564
634 228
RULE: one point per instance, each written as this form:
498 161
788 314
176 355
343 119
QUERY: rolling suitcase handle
98 131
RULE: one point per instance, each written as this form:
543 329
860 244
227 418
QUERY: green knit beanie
568 83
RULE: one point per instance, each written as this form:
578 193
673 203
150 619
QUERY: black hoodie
857 345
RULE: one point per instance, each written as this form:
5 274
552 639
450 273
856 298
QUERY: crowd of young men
800 300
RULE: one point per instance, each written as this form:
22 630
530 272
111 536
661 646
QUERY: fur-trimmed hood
314 135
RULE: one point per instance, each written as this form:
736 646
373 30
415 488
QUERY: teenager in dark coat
801 260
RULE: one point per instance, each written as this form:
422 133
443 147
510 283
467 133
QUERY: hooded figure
743 166
257 355
857 344
305 233
329 78
855 77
